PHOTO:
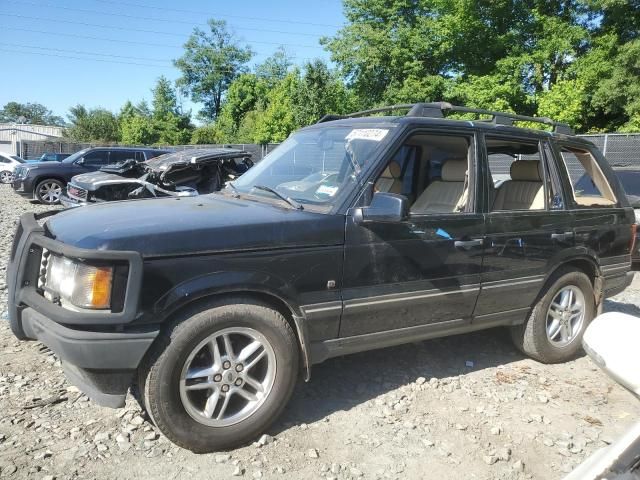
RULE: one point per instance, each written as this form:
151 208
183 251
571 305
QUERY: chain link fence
31 150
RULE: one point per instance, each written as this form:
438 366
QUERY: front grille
76 192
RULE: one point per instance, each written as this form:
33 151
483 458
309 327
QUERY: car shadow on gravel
614 306
342 383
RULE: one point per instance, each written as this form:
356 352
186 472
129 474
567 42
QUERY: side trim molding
321 351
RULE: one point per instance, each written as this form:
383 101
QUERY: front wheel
220 375
6 176
48 191
553 332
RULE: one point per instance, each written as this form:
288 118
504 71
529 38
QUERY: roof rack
437 110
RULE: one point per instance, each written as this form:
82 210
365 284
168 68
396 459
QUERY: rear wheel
6 176
221 375
553 332
48 191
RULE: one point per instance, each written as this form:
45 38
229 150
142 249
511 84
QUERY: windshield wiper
289 200
236 192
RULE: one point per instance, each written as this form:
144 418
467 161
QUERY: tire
48 191
550 346
6 176
184 352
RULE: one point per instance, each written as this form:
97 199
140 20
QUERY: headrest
454 170
526 171
393 170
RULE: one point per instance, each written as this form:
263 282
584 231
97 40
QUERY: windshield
314 167
75 156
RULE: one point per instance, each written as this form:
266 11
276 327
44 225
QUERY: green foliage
574 60
275 67
245 94
204 135
137 130
320 92
279 119
209 64
92 125
33 113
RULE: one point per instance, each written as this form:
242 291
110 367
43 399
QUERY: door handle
561 236
467 244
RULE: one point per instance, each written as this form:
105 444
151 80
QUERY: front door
425 270
528 227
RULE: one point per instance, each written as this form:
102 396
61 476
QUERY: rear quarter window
590 187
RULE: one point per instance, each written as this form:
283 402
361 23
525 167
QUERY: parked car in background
212 305
51 157
612 342
177 174
45 181
8 164
629 177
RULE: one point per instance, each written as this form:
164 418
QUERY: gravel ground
468 406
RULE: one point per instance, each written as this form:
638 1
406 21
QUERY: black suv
45 180
420 226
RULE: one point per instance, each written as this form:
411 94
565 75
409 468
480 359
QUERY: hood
94 180
188 225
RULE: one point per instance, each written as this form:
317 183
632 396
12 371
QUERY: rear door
602 225
528 226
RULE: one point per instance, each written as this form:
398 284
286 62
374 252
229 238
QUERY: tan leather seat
524 191
389 181
444 195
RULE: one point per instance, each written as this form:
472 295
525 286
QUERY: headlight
81 285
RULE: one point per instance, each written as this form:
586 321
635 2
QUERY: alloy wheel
565 316
228 376
6 177
49 192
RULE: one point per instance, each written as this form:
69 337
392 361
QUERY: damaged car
178 174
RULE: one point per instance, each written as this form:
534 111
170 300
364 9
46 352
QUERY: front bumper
69 202
100 351
21 188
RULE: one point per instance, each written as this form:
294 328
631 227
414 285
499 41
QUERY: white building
12 134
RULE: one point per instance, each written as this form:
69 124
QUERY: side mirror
80 161
384 207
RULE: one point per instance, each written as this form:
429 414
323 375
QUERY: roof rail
437 110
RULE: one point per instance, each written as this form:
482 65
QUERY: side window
431 171
118 156
516 174
589 185
96 158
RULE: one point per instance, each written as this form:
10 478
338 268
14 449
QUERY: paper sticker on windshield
327 190
374 134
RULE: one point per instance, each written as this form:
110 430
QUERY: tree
138 130
246 93
275 67
204 135
210 62
92 125
278 120
164 100
318 93
33 113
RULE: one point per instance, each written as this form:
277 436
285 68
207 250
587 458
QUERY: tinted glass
118 156
100 157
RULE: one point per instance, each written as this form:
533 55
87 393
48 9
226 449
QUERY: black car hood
179 226
94 180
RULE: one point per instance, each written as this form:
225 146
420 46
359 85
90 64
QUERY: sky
101 53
